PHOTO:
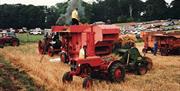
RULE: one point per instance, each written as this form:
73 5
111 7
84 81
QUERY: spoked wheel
67 78
142 70
87 82
50 51
116 72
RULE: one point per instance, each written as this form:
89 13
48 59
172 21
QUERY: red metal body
149 39
167 42
98 38
99 41
7 38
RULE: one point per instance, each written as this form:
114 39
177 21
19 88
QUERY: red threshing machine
167 42
149 40
99 41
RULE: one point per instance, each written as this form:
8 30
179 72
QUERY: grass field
14 79
27 38
165 75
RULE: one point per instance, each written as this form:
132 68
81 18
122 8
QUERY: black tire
50 52
87 82
142 70
63 57
152 51
18 42
67 78
116 72
164 52
144 50
15 43
149 63
2 46
40 48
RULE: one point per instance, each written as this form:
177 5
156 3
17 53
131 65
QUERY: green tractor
131 59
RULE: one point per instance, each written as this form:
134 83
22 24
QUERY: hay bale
124 39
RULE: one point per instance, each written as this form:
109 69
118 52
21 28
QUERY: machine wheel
164 52
63 57
142 70
85 69
67 78
87 82
144 50
152 51
2 45
116 72
50 52
15 43
40 48
150 64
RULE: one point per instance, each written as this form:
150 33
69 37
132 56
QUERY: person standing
82 52
75 17
155 49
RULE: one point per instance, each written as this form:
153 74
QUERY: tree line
30 16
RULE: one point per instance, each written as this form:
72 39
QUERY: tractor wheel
152 51
87 82
2 46
142 70
15 43
164 52
50 52
67 78
40 48
63 57
144 50
150 64
116 72
85 69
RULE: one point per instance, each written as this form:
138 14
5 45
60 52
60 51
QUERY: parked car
8 38
36 31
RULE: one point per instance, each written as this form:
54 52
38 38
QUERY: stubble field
165 75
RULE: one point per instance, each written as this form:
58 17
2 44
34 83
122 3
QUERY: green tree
156 9
175 9
116 10
18 16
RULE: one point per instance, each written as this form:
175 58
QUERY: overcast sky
43 2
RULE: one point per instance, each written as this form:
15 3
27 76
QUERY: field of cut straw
165 75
